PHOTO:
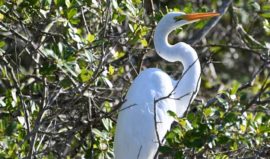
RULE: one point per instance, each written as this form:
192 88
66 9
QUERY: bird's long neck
189 82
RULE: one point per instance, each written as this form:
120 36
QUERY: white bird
143 119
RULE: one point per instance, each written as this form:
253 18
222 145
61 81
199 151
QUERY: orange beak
196 16
199 16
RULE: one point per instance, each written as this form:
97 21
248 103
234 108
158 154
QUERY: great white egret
143 119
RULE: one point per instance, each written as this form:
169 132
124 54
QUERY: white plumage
136 136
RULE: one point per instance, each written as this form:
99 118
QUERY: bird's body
138 112
143 119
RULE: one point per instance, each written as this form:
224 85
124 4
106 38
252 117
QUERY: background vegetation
66 65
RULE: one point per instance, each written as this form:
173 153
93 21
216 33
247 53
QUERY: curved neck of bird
178 52
190 80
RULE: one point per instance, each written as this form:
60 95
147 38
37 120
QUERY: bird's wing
136 129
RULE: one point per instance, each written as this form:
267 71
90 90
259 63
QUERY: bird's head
176 19
167 24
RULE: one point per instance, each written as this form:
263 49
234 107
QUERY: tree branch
202 33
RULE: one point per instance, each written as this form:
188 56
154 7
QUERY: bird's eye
178 18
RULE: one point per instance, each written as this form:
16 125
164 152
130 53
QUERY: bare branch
202 33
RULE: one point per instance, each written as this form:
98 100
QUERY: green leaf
266 7
143 31
165 149
60 3
2 16
48 69
67 2
90 37
82 63
172 114
2 2
10 128
234 146
33 2
188 8
184 123
21 120
97 132
66 83
195 138
215 49
136 2
266 26
243 128
111 70
2 43
223 139
208 112
200 24
3 155
85 75
243 97
223 102
71 13
259 116
231 117
144 43
263 129
47 4
235 87
265 15
256 6
221 156
250 116
74 21
121 70
119 54
179 155
107 123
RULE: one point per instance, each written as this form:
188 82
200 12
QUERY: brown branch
264 87
155 122
251 81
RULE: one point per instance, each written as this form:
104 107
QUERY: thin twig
251 81
265 85
169 96
202 33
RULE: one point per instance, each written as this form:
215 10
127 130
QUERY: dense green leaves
227 128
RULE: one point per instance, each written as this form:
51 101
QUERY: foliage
65 66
